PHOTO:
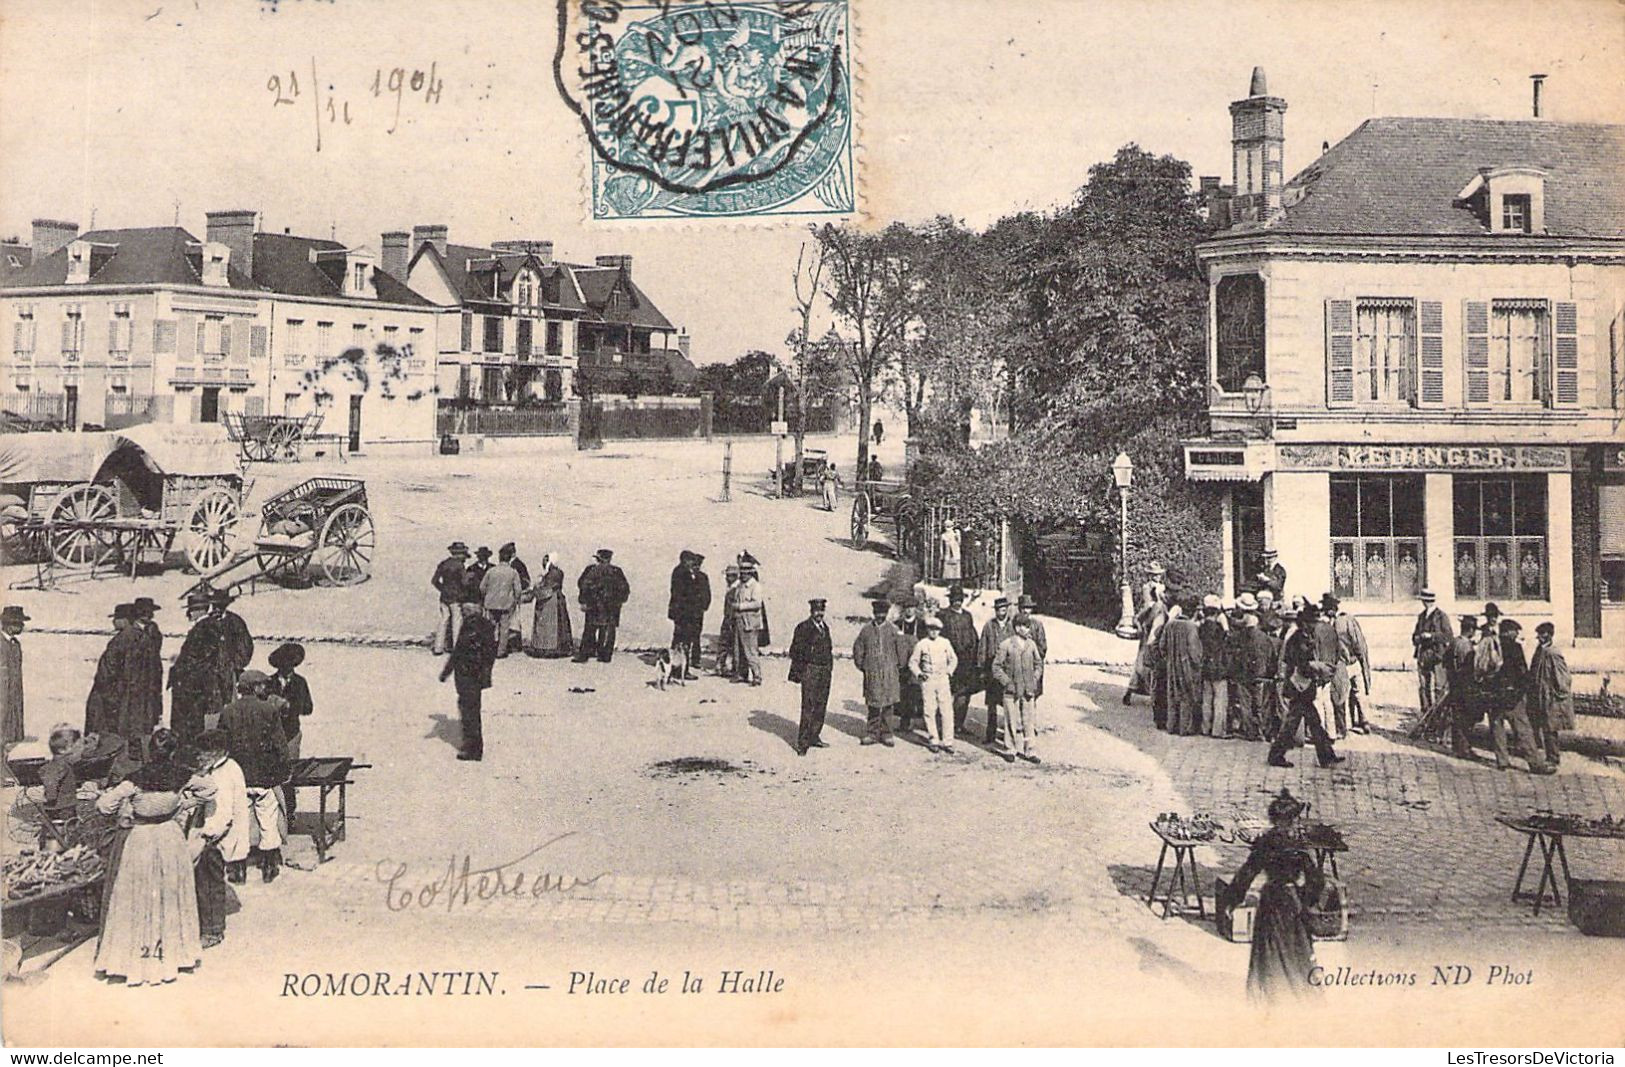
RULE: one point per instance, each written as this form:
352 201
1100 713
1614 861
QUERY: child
220 842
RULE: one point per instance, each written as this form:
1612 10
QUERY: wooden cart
880 502
271 438
325 774
319 531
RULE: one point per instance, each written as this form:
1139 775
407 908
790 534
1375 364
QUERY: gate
981 548
592 425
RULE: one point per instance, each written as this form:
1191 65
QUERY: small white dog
670 666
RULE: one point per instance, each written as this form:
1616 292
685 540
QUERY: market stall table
1548 832
323 774
1184 852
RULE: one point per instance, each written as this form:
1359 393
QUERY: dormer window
1515 213
360 280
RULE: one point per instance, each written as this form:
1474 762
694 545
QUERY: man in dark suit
471 660
1271 575
1430 638
239 642
602 590
450 578
810 665
147 668
690 599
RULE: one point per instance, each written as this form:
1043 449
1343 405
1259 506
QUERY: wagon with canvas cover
82 500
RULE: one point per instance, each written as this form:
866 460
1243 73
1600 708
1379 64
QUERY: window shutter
254 405
1565 355
18 331
187 333
1475 316
225 337
202 335
1430 358
163 336
256 342
468 332
67 335
1339 353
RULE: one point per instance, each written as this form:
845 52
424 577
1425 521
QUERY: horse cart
81 501
876 502
271 438
318 532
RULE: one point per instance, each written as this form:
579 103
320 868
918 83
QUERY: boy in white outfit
932 664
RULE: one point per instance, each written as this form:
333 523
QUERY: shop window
1611 521
1377 537
1500 532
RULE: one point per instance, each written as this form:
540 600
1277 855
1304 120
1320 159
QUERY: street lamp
1123 475
1254 389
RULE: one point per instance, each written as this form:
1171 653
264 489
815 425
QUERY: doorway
210 410
1246 534
355 423
70 406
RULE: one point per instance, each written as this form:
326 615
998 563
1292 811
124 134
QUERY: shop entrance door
210 411
355 423
70 406
1246 534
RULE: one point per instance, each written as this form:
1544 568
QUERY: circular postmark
711 105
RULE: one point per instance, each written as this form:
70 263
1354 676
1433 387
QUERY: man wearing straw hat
1430 637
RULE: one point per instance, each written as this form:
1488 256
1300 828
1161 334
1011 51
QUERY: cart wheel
81 547
210 528
20 543
256 449
860 519
343 554
282 443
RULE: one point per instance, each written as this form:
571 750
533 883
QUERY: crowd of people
1262 666
178 811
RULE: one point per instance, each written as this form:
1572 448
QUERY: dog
670 666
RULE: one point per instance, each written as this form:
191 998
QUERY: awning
195 449
1211 460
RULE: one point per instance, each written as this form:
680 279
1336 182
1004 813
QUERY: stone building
1416 354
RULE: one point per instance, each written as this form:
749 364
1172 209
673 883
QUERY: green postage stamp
713 109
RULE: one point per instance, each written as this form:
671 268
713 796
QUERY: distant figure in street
1429 638
879 432
1271 574
603 590
750 622
876 471
1303 677
12 619
201 679
470 662
501 591
551 636
1551 695
828 482
220 843
253 726
811 662
1282 955
450 576
239 643
111 706
481 564
875 655
995 632
910 631
1252 665
1215 638
690 600
1149 619
1351 651
1461 699
1180 654
514 639
288 684
1018 667
931 664
1509 703
960 630
727 639
1026 605
146 667
951 544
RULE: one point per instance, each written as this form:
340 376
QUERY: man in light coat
875 654
1018 667
1551 693
750 621
1351 651
501 591
932 666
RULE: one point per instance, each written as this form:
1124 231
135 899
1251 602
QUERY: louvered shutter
201 334
187 334
256 342
67 336
19 330
225 337
468 332
1565 355
1475 317
1339 353
254 405
163 336
1430 355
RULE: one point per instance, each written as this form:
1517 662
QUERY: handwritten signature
462 883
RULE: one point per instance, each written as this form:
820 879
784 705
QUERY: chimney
1537 80
395 253
433 235
51 234
623 262
683 343
1257 140
235 230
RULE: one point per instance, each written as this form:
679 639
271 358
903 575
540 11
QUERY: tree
868 288
807 279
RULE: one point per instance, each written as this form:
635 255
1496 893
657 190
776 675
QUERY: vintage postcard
813 522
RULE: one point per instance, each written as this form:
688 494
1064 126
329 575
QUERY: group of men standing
1482 671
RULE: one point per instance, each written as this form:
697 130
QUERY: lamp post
1123 475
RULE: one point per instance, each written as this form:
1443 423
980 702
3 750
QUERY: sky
136 113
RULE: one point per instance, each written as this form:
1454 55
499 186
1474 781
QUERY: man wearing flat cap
602 590
875 654
811 662
253 727
689 601
995 632
112 707
450 577
12 619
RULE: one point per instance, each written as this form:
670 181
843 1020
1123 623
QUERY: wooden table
1550 840
324 774
1184 853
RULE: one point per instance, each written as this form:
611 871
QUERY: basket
1597 907
1328 918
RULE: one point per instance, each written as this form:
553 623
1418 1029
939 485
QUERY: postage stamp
711 109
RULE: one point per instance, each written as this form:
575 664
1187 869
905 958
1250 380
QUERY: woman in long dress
150 919
1283 948
550 636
